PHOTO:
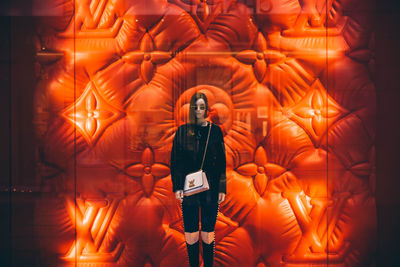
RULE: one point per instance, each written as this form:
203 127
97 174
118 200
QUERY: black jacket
187 154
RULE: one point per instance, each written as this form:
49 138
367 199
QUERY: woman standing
186 157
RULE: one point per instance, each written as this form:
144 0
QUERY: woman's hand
221 198
179 195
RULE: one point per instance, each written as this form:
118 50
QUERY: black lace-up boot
208 254
193 253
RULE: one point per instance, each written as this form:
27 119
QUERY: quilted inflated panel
289 82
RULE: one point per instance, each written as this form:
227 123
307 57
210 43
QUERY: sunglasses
202 107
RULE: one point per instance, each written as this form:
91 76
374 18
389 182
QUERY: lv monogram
92 217
317 220
191 183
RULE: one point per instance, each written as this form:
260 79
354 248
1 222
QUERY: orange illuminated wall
289 82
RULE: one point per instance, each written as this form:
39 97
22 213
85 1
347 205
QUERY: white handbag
197 182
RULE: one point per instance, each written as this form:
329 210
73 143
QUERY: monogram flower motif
316 112
92 114
261 170
147 171
260 57
148 57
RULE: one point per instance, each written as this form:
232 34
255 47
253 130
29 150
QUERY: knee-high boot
208 254
193 253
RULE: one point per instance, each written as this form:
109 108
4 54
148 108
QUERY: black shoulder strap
205 149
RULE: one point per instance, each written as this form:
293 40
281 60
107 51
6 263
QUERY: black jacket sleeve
177 162
221 162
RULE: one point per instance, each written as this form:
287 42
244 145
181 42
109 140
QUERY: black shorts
208 205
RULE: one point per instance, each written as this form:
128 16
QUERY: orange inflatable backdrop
289 82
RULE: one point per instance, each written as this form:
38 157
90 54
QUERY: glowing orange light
298 143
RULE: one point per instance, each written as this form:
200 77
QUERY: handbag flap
193 180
